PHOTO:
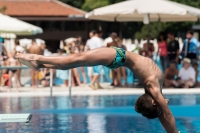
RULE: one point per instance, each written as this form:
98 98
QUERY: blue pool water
96 114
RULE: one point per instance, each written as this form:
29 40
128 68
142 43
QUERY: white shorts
90 71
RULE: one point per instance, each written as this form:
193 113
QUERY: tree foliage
92 4
3 9
74 3
88 5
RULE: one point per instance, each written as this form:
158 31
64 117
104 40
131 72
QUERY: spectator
100 35
173 48
35 49
162 50
195 66
121 72
113 44
186 75
62 74
79 40
90 69
3 53
19 49
95 42
13 72
190 47
148 48
45 51
75 74
81 46
45 81
2 48
170 73
4 78
114 40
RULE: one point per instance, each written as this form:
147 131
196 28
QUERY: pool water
96 114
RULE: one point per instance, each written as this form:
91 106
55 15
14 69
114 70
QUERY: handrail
14 67
25 67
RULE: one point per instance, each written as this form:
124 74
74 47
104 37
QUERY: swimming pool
96 114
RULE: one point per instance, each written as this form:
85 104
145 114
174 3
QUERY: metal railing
51 76
14 67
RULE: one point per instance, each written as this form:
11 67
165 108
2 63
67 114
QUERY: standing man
173 48
90 69
190 47
35 49
114 37
95 42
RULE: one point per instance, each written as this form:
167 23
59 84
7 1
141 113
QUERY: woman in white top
18 49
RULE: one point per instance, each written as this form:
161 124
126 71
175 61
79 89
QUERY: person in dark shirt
173 48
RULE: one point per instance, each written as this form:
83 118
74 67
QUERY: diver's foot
30 60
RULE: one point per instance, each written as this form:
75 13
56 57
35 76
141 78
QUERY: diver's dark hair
145 107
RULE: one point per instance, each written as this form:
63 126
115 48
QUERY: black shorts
13 71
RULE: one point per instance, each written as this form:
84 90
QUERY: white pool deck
85 90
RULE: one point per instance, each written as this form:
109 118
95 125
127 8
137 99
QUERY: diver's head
146 106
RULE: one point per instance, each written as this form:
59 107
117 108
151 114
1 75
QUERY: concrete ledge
63 91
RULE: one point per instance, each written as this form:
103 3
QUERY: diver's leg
100 56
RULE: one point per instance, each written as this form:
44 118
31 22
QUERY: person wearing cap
186 76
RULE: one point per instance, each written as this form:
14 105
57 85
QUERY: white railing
51 76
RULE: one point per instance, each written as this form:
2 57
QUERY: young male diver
151 105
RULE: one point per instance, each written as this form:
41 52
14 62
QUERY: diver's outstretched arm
99 56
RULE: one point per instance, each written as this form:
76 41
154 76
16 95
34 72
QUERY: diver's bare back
144 68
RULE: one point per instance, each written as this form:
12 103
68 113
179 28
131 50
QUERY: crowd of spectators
168 51
171 57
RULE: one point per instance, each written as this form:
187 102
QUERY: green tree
3 9
151 29
93 4
74 3
194 3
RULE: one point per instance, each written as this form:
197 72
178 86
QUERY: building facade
58 20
